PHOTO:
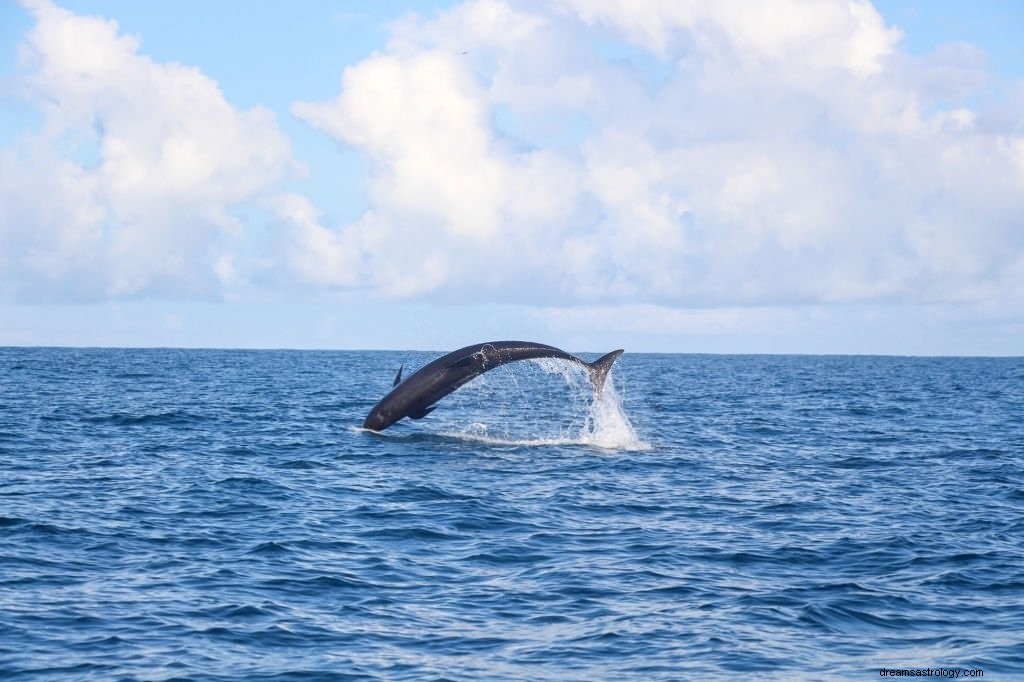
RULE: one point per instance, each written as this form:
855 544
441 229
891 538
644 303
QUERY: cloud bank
130 185
693 154
580 152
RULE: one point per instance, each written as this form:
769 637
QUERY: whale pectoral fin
422 413
398 377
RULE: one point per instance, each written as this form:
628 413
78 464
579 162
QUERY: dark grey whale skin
416 396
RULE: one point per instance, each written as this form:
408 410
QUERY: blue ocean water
218 515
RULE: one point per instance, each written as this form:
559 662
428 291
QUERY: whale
417 395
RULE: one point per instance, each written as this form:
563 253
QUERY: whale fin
398 377
598 370
422 413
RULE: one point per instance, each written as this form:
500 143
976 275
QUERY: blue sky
788 177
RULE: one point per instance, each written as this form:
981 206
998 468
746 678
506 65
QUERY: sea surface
219 515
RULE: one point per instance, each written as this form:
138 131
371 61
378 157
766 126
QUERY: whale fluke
598 370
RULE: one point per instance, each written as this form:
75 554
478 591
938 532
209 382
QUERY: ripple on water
219 515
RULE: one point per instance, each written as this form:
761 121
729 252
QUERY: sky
794 176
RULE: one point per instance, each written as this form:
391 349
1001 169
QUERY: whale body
416 397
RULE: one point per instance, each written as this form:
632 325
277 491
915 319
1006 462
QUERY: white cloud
792 34
653 154
734 155
128 188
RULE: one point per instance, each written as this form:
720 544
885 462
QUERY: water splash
607 425
586 420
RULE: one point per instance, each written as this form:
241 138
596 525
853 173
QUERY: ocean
173 514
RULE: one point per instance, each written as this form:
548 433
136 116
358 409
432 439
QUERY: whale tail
598 370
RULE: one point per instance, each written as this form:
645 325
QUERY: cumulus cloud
657 154
797 34
129 186
670 153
